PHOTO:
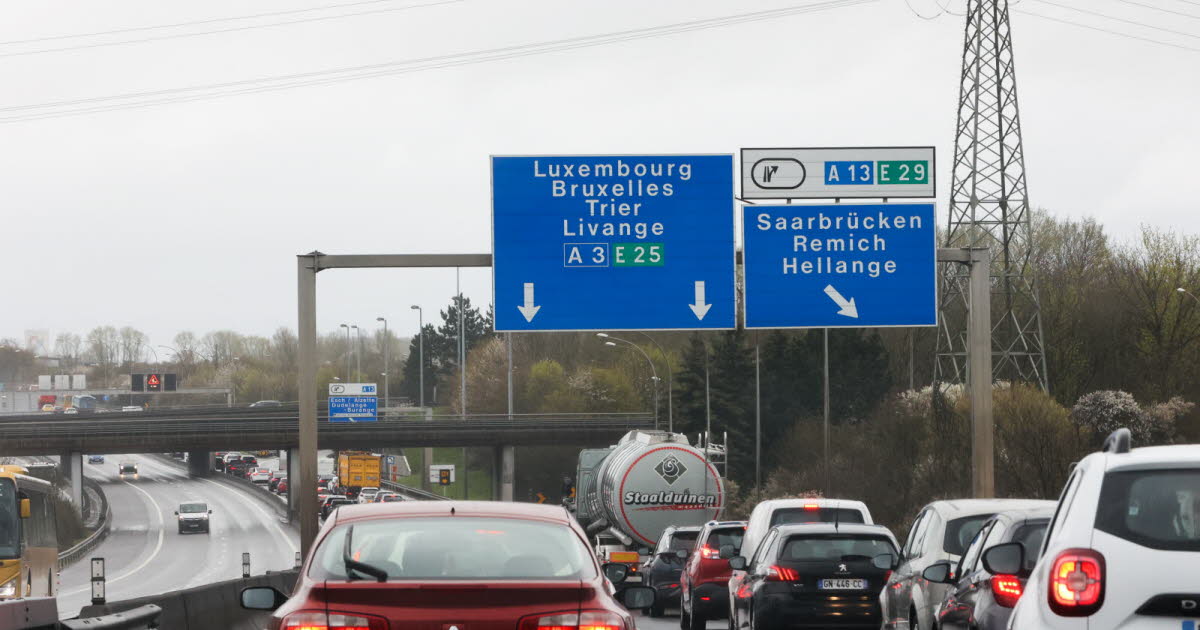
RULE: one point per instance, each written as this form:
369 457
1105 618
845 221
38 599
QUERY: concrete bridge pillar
200 463
70 466
293 471
508 471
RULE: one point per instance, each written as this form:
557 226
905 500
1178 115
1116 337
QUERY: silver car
941 531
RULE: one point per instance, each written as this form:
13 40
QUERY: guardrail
72 555
142 617
41 613
413 492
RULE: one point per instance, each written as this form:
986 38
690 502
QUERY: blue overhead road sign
613 242
840 266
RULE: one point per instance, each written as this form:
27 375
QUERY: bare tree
131 342
68 347
103 344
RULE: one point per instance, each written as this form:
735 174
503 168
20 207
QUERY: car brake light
586 620
812 506
309 620
1006 589
708 553
1077 583
782 574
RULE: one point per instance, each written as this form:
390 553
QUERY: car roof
719 524
832 528
849 504
959 508
401 509
1023 514
1150 457
684 528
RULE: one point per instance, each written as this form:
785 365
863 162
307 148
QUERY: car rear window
1031 535
683 540
835 547
1159 509
456 548
960 532
731 536
787 516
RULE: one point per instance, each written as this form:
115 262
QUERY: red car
477 565
704 585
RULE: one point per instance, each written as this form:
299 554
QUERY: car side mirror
637 597
737 563
643 551
210 511
262 598
885 561
616 572
26 509
176 512
682 554
1006 559
726 552
938 573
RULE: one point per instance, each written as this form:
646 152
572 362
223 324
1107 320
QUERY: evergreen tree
689 387
731 382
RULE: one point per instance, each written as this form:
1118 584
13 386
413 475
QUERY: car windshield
960 532
128 468
787 516
835 547
1031 535
193 508
683 540
462 548
9 522
721 537
1159 509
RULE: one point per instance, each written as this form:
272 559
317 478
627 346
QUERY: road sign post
840 266
613 242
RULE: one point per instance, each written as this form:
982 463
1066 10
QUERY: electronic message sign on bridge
613 242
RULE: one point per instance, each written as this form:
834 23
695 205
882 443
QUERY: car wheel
684 618
913 622
696 621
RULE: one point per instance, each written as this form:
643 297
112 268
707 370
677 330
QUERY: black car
815 575
240 467
982 599
193 517
332 503
661 572
273 482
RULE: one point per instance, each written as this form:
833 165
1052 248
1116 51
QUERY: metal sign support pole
979 365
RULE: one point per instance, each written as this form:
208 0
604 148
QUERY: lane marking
157 547
274 521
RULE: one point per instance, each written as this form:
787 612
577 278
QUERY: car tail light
782 574
1077 583
812 506
310 620
586 620
1006 589
708 553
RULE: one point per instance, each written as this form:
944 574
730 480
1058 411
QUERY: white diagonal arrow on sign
847 306
699 307
529 310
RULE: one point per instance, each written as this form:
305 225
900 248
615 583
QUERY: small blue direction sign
840 266
613 242
353 402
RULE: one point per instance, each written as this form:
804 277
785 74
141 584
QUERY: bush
1036 443
1105 411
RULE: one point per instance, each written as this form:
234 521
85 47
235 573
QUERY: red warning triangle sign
152 379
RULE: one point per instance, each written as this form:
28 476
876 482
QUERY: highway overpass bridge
213 429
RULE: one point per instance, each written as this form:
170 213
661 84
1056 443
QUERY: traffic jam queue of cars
1119 549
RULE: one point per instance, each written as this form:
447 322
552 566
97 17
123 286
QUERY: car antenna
836 518
452 510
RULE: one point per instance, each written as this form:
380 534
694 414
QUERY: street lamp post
1189 293
670 383
357 351
387 341
653 370
420 353
347 327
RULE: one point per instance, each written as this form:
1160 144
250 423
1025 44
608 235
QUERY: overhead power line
232 29
1109 31
138 29
1117 19
1151 6
130 100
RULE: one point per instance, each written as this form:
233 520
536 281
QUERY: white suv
1123 550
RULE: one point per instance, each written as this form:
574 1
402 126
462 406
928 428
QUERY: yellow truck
358 470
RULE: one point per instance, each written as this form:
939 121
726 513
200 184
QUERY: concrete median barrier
216 605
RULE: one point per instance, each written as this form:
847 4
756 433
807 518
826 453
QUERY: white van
768 514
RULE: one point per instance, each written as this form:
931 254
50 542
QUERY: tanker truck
627 494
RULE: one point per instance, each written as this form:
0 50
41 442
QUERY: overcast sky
188 215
